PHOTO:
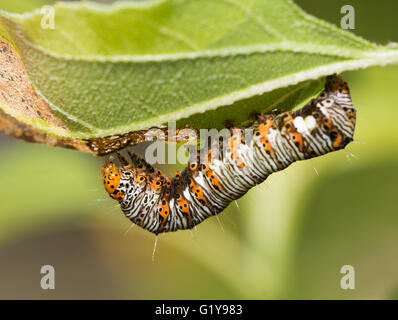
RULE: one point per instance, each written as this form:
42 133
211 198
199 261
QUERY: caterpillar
212 180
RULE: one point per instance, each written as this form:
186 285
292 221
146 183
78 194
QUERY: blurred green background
288 239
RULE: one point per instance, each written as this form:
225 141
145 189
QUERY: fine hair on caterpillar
231 164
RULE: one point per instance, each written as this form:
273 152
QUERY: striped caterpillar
212 180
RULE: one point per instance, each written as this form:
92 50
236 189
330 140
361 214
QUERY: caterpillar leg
122 159
229 124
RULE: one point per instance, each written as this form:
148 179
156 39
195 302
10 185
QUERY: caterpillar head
329 118
338 112
111 178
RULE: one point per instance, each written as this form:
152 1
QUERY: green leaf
23 6
107 70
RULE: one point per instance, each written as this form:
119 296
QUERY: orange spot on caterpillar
165 209
337 141
156 183
111 178
183 204
141 178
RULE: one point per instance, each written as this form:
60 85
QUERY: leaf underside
111 70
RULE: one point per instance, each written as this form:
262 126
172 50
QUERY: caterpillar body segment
212 180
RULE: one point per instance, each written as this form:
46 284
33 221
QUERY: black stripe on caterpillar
212 180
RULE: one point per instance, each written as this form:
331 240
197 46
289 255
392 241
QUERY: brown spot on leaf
17 92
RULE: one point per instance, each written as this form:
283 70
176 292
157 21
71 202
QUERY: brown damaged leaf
110 144
18 93
20 130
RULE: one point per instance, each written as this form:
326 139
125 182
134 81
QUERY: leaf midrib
282 46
